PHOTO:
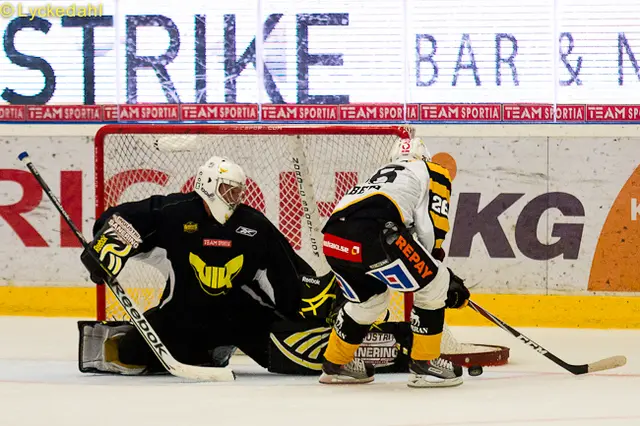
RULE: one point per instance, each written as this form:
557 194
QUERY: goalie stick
603 364
172 365
311 218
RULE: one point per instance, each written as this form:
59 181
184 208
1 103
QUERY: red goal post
135 161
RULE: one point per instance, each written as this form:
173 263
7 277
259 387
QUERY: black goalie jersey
206 264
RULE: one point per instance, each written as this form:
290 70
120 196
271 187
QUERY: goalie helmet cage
296 175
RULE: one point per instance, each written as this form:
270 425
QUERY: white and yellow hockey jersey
415 192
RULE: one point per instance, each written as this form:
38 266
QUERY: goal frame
403 132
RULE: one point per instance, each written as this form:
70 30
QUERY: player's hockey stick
137 318
603 364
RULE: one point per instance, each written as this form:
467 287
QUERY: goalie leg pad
297 347
98 348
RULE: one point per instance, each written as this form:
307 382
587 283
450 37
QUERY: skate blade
426 381
337 379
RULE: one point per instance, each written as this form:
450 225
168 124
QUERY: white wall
588 163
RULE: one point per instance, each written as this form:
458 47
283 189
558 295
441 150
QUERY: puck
475 370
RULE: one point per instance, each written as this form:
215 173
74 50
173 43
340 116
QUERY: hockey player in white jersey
387 232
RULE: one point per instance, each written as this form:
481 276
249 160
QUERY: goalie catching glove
107 254
318 296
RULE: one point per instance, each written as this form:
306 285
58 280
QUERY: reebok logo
310 280
248 232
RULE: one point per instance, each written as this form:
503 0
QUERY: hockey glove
108 252
318 295
457 295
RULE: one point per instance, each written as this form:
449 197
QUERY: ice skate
354 372
435 373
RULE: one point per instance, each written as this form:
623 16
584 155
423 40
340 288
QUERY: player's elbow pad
107 254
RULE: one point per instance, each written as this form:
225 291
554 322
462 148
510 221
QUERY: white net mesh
136 166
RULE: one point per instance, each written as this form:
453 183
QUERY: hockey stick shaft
137 318
604 364
311 217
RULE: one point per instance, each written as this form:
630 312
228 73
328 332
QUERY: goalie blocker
113 244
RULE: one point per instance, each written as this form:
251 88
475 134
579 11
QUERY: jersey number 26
440 205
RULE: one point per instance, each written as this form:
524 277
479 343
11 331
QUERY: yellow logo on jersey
190 227
216 280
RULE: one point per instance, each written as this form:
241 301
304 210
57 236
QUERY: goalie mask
410 149
221 184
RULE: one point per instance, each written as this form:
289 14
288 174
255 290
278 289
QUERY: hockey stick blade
603 364
172 365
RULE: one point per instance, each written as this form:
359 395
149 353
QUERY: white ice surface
41 385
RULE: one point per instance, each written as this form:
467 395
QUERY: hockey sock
345 338
338 351
426 326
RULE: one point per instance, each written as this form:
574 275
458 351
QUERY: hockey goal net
296 175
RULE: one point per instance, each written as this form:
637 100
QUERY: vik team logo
216 280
